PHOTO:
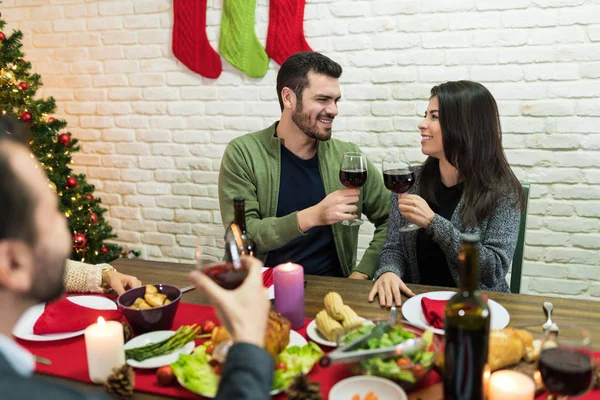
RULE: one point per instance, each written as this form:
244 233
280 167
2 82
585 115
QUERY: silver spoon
548 309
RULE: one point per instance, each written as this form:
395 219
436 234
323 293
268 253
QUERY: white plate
156 362
270 289
361 385
412 311
313 333
24 327
296 339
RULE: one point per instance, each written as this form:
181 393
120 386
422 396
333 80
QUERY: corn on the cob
334 305
351 320
328 326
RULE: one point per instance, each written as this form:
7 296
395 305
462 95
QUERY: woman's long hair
472 141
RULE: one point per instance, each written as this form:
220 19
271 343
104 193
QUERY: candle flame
101 322
288 267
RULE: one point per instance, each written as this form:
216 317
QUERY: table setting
151 340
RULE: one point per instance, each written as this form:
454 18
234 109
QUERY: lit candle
511 385
288 280
104 348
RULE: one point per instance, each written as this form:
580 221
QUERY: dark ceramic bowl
151 319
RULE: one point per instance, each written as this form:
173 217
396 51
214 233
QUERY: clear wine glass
566 363
399 177
353 175
228 273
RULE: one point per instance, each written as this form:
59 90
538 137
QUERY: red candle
288 280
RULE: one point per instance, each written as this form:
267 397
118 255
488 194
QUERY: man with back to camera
288 174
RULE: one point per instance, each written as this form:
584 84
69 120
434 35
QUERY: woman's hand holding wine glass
415 209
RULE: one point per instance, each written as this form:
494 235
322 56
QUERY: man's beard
311 130
48 279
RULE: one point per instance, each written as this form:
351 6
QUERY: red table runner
69 360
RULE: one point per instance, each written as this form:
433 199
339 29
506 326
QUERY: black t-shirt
301 187
433 266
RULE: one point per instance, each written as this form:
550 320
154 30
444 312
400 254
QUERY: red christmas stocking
190 44
286 29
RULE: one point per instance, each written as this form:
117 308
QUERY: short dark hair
472 140
17 205
294 71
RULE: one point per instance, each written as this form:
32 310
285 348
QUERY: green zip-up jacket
251 168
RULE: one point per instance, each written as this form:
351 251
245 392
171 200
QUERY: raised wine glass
228 273
566 363
353 175
399 177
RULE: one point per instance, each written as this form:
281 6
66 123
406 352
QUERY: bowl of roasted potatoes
150 308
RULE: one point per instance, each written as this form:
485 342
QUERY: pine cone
120 383
302 389
127 332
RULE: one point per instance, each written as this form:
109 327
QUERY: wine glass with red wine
566 363
399 177
228 273
353 175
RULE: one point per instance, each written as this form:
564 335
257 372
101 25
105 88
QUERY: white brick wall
153 132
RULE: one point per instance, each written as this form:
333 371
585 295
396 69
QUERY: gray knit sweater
498 235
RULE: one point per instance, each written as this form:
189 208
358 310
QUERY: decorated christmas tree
53 146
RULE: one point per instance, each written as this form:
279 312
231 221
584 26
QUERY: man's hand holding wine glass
335 207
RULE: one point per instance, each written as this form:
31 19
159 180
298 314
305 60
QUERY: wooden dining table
525 311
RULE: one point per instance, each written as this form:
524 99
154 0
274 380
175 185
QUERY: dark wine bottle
239 218
467 329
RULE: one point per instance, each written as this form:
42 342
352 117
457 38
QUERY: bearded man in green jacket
288 175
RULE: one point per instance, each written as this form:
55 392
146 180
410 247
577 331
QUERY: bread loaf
509 346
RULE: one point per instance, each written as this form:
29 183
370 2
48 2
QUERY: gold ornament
52 186
7 75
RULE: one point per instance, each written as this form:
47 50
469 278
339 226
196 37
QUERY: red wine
398 181
353 178
566 372
226 275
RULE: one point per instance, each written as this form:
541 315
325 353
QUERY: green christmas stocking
238 43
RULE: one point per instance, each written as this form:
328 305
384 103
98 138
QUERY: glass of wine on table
566 363
229 273
353 175
399 177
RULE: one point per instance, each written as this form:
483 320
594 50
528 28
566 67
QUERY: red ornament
23 86
51 119
104 250
2 36
93 218
64 139
89 197
25 116
79 241
71 182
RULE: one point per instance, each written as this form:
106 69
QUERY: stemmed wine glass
566 364
399 177
353 175
228 273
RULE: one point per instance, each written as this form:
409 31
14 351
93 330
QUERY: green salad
404 368
196 373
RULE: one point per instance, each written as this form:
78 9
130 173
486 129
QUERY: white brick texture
153 132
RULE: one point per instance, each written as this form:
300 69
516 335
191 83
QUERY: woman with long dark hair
465 185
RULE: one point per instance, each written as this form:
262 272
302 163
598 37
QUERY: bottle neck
469 267
239 216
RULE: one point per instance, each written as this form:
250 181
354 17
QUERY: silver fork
548 309
393 316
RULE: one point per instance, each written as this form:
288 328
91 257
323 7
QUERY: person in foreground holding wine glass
465 186
248 372
34 245
289 176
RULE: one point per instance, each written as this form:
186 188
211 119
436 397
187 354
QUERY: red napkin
63 316
267 277
433 310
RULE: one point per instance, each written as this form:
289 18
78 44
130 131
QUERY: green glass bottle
467 329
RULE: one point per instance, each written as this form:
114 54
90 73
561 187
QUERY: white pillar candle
510 385
104 348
